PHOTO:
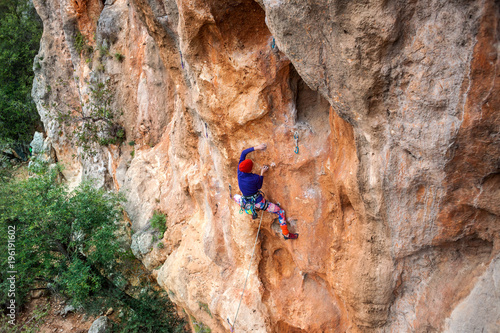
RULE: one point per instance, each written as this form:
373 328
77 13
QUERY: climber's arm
244 154
260 181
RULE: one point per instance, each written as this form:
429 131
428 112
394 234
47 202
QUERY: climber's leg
273 208
237 198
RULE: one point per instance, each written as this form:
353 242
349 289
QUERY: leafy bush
67 241
20 33
96 124
154 313
62 238
159 222
82 44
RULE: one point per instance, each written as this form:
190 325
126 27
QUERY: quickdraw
296 137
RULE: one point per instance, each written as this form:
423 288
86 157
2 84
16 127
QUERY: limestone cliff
395 189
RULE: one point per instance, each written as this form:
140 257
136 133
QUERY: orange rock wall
394 191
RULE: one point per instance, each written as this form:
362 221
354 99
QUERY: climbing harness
248 204
296 137
246 279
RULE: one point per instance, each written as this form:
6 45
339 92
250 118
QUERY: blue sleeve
261 181
244 154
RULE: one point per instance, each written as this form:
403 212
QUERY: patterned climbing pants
271 208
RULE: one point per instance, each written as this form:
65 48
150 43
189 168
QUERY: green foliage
199 327
67 240
5 166
159 222
20 33
103 50
154 314
120 57
82 44
204 307
57 234
131 143
97 122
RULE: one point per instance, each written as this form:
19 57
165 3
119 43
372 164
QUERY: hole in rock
241 23
312 110
348 213
283 263
284 327
276 263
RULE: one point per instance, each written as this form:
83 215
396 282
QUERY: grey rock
67 309
100 325
480 311
110 23
38 143
141 243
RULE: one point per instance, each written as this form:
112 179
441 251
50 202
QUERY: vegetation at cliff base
70 242
20 33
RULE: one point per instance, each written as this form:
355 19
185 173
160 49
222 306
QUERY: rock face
395 187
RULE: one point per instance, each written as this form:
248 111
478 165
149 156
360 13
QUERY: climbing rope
296 137
246 280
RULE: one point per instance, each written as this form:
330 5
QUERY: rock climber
250 185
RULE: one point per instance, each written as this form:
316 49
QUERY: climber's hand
262 146
263 169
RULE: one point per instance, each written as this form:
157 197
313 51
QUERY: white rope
246 280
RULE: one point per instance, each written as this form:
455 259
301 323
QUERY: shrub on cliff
62 238
96 123
20 33
67 241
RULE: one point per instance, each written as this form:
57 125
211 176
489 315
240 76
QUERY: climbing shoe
291 236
